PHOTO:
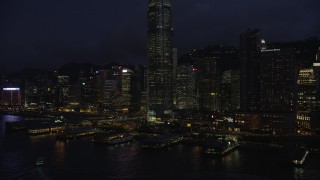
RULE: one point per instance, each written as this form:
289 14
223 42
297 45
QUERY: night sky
49 33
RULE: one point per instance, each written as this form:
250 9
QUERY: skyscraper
277 89
62 91
250 63
107 87
160 59
225 91
316 67
268 90
185 87
277 80
306 91
208 84
126 89
315 115
235 89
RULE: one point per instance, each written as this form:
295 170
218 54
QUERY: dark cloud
50 33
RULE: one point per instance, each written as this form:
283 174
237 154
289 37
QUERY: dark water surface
81 159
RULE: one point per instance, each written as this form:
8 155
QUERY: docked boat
72 133
112 139
160 141
219 146
45 129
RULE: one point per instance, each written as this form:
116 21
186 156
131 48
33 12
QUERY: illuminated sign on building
11 89
270 50
11 97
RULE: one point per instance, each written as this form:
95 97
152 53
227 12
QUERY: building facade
11 99
306 92
250 42
208 84
160 59
316 67
62 88
278 79
186 87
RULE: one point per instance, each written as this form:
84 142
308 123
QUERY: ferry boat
219 147
45 129
160 141
73 133
113 139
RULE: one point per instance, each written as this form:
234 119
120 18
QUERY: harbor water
82 159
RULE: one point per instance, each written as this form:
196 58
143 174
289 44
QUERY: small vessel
298 155
293 155
40 161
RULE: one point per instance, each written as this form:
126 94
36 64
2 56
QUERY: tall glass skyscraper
249 75
160 59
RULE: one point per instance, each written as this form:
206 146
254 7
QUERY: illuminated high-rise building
308 88
186 87
306 91
160 59
39 93
86 89
107 87
62 91
316 68
315 114
126 89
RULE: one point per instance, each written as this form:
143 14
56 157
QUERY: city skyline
123 105
47 35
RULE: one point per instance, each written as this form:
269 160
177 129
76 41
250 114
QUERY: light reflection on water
11 118
196 157
3 120
298 173
82 159
60 153
40 137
